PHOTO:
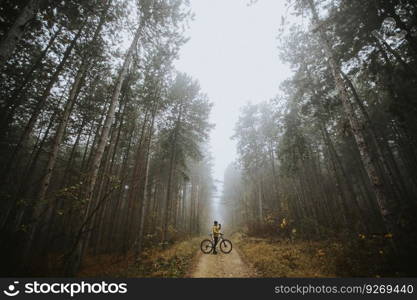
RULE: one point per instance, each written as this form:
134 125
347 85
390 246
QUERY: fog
232 51
102 121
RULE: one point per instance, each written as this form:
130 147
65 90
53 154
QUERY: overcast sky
233 53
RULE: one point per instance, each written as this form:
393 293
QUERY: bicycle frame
218 241
207 245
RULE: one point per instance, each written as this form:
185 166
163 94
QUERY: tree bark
16 98
358 132
15 33
144 203
42 99
172 163
77 257
260 202
59 135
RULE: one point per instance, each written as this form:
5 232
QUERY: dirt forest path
222 266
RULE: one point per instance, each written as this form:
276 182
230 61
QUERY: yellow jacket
216 230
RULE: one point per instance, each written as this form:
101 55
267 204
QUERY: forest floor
277 257
174 261
250 257
283 258
265 257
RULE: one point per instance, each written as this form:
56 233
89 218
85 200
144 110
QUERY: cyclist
216 233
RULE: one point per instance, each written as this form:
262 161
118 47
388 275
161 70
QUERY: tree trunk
42 100
172 164
15 33
358 132
144 203
59 135
74 147
41 205
16 98
261 216
77 257
379 141
274 177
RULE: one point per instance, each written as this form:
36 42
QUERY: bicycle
207 246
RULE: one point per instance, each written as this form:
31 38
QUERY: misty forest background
104 146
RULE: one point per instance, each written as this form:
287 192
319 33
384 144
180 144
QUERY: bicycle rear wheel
226 246
206 246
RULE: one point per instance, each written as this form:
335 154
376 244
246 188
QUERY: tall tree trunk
74 263
192 203
260 202
42 100
136 181
59 135
15 33
144 203
274 177
358 132
172 165
14 212
16 98
379 142
74 147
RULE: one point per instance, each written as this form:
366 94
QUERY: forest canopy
103 146
334 154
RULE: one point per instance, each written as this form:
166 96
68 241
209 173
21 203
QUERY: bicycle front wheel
226 246
206 246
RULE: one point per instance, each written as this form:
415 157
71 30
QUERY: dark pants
216 239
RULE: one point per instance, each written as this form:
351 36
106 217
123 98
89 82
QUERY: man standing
216 233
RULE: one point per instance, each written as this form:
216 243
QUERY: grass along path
250 257
173 262
286 259
366 257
